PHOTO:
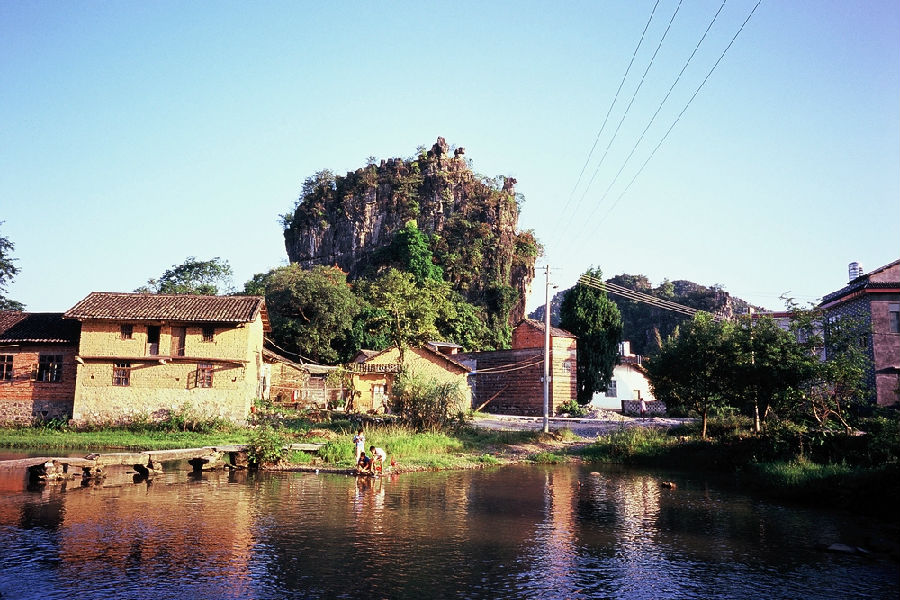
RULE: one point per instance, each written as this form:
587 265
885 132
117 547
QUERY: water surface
512 532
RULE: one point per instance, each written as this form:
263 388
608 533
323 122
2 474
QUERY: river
511 532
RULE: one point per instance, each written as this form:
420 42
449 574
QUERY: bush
266 446
425 404
572 408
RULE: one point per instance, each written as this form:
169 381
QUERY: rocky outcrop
344 221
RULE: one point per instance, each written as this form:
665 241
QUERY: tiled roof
862 283
37 328
554 331
168 307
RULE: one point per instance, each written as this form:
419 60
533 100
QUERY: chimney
854 270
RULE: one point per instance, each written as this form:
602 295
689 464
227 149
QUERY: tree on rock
8 271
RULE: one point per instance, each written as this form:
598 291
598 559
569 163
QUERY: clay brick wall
22 400
156 390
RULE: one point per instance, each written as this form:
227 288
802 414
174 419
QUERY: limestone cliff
472 222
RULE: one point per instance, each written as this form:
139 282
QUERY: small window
204 375
126 331
894 316
122 374
6 367
208 333
611 389
49 368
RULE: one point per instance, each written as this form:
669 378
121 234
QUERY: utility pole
547 351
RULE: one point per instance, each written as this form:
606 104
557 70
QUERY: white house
629 382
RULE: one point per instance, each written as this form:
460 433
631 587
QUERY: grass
117 439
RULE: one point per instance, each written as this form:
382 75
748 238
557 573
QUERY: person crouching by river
359 441
363 464
378 458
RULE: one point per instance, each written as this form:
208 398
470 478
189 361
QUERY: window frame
894 317
50 368
126 331
205 375
121 374
208 334
6 367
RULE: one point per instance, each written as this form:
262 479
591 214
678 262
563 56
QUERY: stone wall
632 408
23 400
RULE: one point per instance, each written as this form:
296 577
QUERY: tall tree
594 319
406 312
202 277
695 367
311 311
8 272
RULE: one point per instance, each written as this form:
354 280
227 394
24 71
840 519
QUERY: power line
658 109
630 294
609 111
678 118
624 114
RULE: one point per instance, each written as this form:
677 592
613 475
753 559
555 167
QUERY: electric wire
678 118
641 297
658 109
610 109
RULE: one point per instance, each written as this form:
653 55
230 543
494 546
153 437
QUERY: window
894 317
204 375
208 333
122 374
6 367
611 389
49 368
126 332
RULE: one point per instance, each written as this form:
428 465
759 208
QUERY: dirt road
599 423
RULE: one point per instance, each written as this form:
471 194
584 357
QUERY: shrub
572 408
425 404
266 445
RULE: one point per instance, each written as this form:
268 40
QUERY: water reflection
530 532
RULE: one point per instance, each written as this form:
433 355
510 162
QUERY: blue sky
133 135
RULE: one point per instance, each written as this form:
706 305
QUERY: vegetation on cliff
429 216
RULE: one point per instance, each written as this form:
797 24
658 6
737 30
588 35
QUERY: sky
136 134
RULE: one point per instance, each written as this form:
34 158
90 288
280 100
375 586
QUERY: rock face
345 220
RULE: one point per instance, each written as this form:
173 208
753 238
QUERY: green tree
202 277
406 312
835 389
770 368
695 367
594 319
8 272
311 311
411 249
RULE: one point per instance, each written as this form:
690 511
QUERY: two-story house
873 300
149 355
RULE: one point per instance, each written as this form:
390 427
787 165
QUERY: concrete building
37 366
874 300
150 355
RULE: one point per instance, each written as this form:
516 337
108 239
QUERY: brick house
373 374
874 299
149 355
37 366
511 381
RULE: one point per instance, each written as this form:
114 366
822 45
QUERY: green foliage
694 368
547 458
596 322
265 446
202 277
635 444
311 311
411 248
8 272
425 404
184 418
572 408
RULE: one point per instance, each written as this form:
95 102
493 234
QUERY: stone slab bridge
145 464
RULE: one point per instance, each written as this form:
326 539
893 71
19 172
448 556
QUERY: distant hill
643 322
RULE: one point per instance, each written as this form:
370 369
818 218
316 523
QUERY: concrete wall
22 400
